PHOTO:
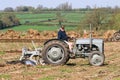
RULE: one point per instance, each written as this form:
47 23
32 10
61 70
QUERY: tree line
8 20
63 6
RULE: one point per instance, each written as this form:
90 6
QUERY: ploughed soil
75 69
35 34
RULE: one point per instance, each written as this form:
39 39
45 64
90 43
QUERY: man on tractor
63 36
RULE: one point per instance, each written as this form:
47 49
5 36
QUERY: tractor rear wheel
96 58
55 53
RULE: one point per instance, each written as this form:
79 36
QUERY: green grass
117 78
47 78
43 67
39 28
69 16
22 21
74 17
34 17
5 76
1 53
67 70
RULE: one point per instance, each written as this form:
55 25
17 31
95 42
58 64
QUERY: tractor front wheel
96 58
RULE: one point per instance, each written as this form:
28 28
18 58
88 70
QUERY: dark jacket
62 35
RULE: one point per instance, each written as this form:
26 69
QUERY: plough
31 57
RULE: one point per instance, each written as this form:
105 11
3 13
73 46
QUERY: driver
63 36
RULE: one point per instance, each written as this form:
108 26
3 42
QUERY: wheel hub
55 53
97 59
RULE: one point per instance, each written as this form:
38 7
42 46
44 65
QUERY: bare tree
9 9
97 18
40 7
64 6
24 8
60 18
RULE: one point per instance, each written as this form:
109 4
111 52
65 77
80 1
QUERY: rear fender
55 40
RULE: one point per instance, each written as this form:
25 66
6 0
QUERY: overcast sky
54 3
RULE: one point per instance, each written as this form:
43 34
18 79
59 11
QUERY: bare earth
75 69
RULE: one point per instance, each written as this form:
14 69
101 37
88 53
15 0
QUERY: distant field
34 17
39 28
74 17
41 21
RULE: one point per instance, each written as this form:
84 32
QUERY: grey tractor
56 52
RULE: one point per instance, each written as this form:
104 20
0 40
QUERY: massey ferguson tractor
56 52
